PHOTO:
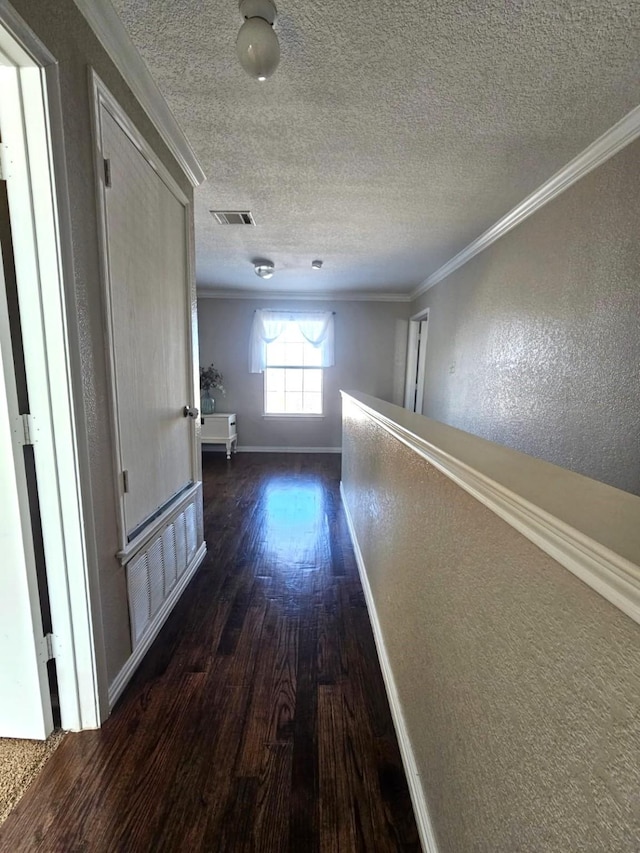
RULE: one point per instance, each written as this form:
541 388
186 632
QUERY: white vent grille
181 544
233 217
139 597
154 572
169 554
155 567
191 531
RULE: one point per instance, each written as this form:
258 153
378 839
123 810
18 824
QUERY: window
292 348
292 375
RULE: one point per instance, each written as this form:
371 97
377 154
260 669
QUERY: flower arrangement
210 377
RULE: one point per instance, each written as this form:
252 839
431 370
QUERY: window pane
293 390
313 404
274 379
293 379
291 334
292 349
293 401
277 352
295 355
312 381
274 403
311 356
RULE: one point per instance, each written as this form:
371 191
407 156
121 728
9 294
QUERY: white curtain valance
315 326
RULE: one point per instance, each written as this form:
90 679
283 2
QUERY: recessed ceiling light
316 265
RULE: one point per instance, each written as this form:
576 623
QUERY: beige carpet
20 763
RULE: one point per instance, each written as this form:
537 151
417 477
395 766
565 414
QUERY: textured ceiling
392 133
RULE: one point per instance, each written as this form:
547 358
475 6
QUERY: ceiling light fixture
316 265
264 269
257 44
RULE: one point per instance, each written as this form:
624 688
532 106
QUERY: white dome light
264 269
257 44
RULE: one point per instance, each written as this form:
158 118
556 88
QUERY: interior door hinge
48 647
5 162
28 432
107 172
125 481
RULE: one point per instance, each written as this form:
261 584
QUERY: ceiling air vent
233 217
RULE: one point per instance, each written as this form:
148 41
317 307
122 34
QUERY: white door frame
38 199
416 361
25 708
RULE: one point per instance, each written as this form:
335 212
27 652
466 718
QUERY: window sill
296 416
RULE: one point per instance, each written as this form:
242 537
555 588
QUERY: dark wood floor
258 721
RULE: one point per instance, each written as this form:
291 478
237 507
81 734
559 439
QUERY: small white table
220 428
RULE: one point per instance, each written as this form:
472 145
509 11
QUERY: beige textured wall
67 35
365 355
542 332
519 684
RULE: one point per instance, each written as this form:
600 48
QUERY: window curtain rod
284 311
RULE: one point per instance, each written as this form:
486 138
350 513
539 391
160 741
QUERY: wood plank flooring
258 720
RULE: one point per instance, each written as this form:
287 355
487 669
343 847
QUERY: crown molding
110 31
612 141
339 296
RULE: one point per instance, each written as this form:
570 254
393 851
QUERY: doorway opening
45 601
416 362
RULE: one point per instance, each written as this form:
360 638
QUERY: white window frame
303 415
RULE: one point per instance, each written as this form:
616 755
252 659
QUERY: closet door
149 305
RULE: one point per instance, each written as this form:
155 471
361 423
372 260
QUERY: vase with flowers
210 378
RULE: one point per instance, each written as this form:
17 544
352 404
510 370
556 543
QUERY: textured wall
542 332
519 684
67 35
366 360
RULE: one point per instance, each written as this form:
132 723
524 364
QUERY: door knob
190 412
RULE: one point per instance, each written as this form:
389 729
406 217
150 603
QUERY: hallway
258 721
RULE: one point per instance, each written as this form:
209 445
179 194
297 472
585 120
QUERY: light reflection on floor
294 523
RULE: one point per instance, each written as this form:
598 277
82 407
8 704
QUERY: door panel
147 258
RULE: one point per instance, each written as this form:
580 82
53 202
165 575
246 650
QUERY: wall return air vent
233 217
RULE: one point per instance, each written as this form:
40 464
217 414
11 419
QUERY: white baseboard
247 449
421 810
123 677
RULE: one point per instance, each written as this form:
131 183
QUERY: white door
25 702
416 364
148 289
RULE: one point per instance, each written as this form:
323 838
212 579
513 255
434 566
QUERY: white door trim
25 709
38 197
